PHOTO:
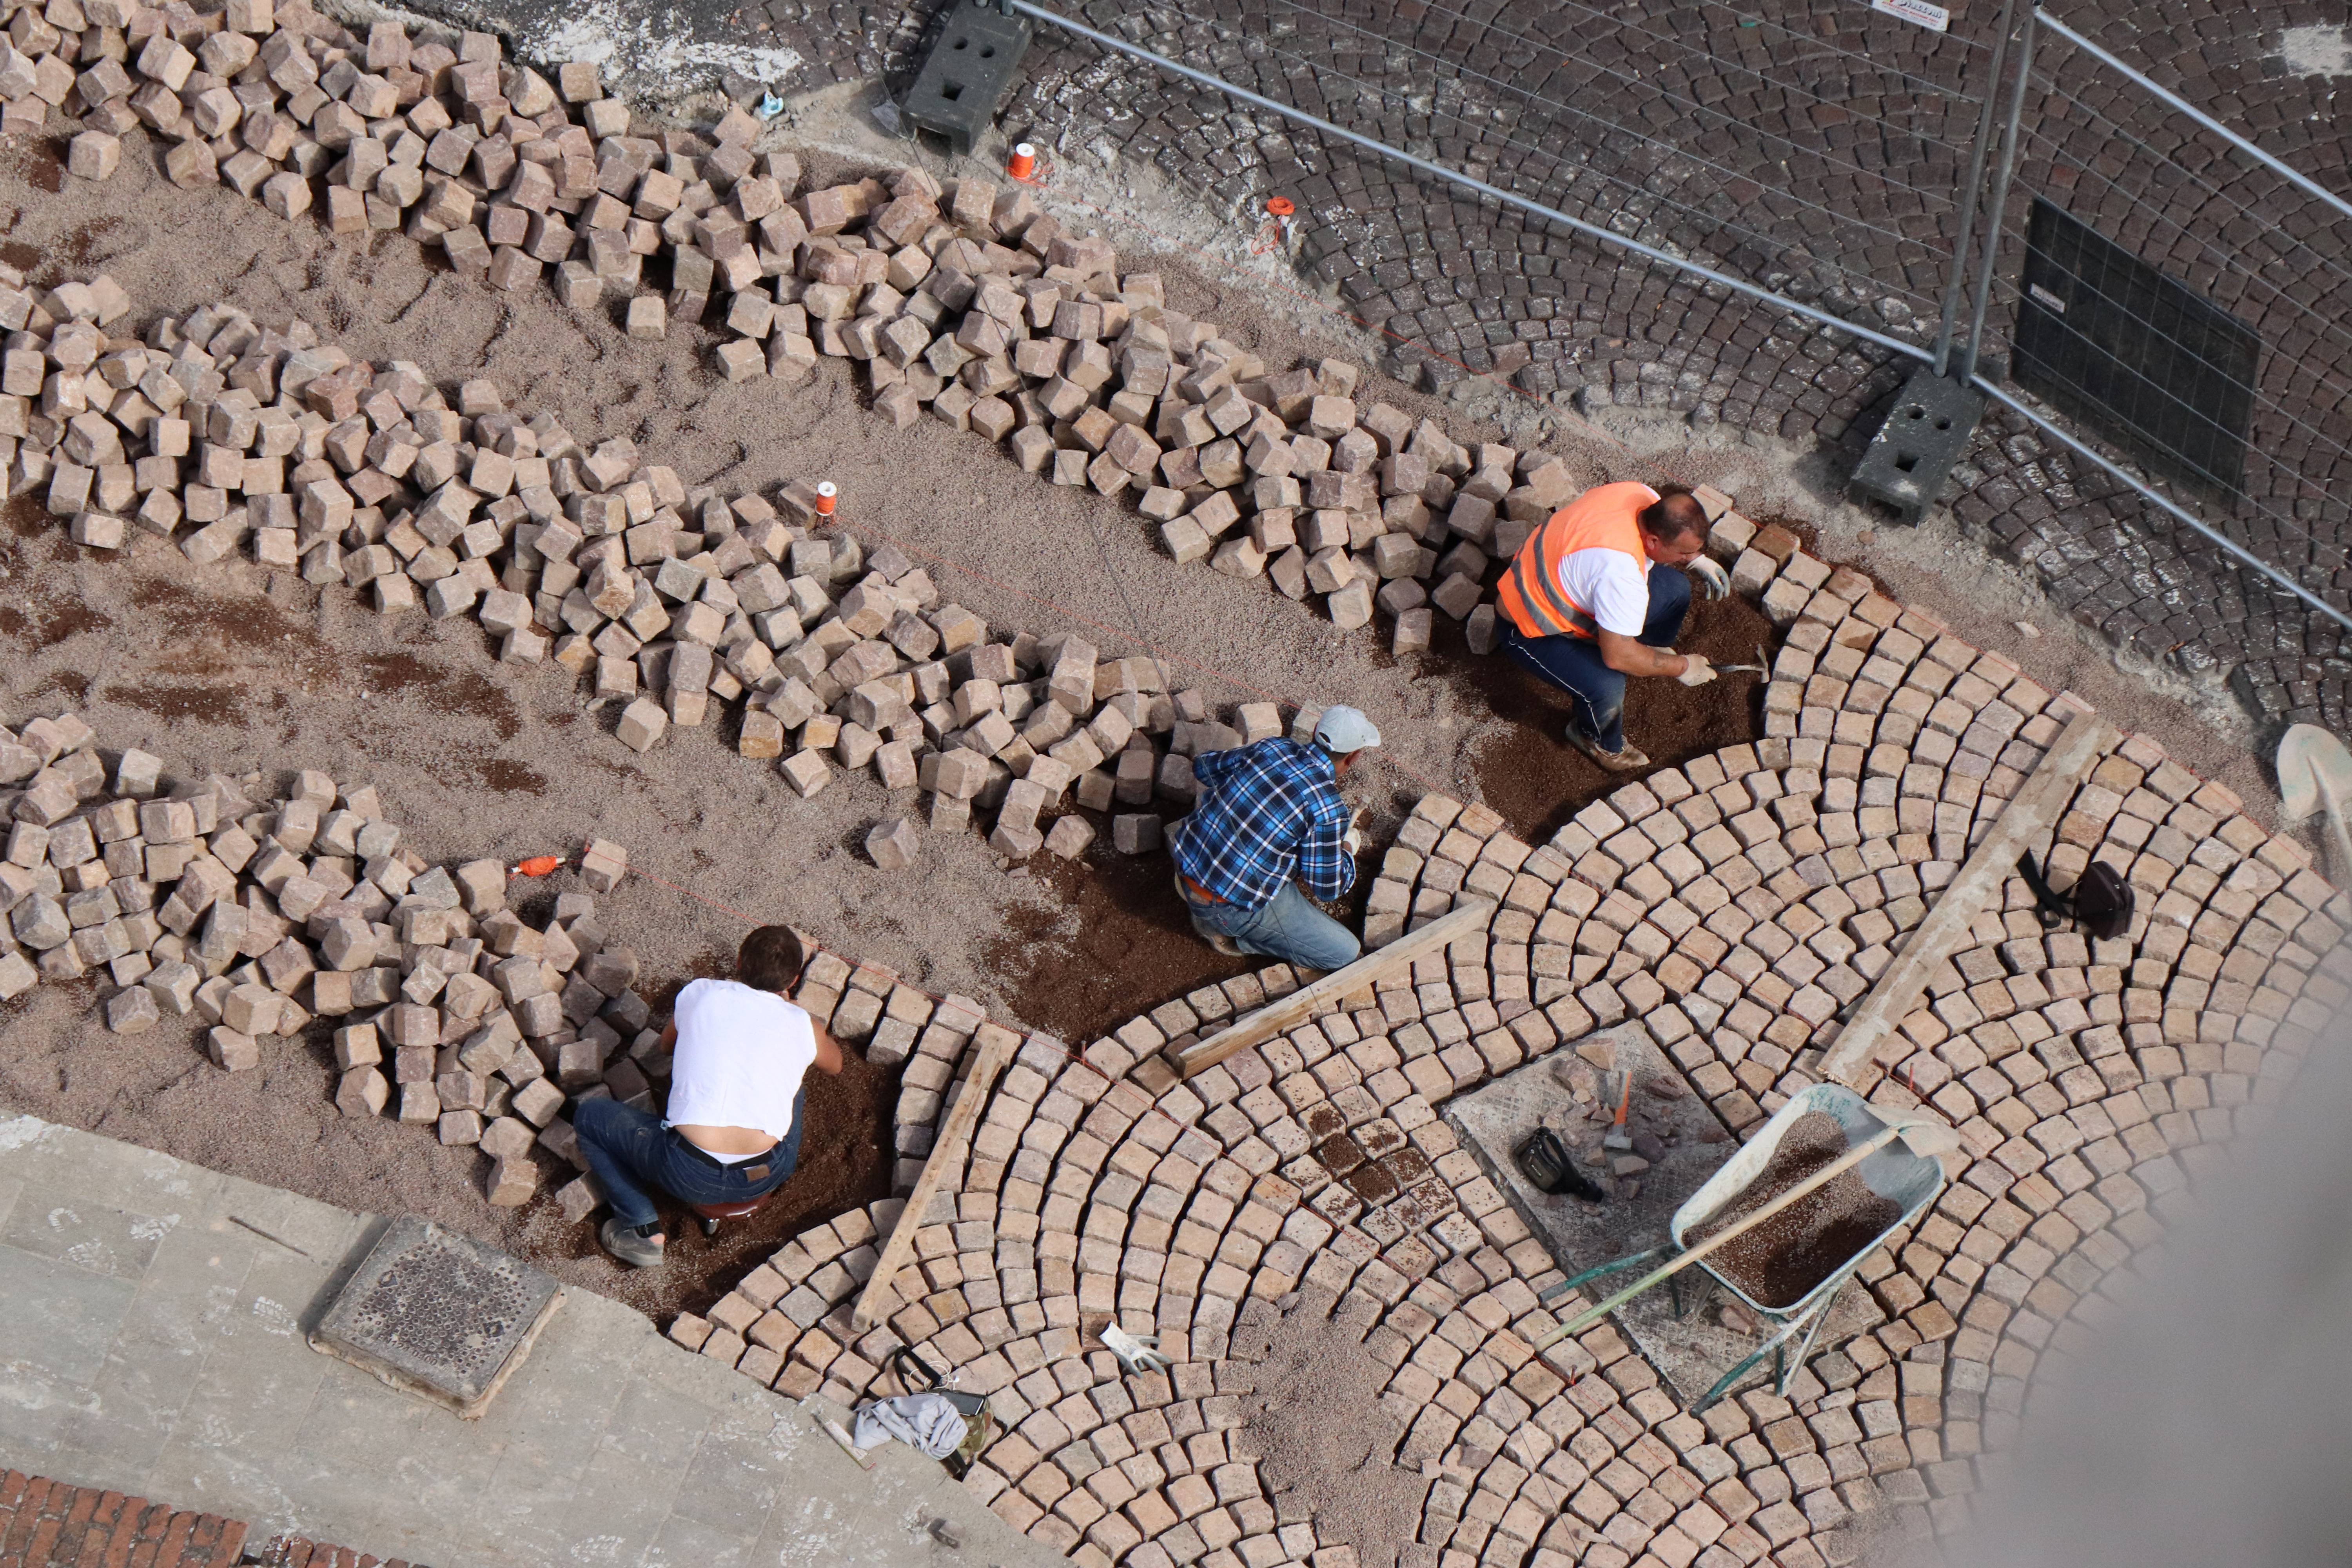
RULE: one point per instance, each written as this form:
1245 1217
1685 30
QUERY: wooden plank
996 1047
2030 812
1296 1007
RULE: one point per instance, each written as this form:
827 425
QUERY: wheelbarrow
1911 1180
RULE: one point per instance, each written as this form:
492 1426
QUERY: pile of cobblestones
253 915
220 435
1733 907
971 303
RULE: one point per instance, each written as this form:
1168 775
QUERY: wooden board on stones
996 1046
1689 1353
1325 993
2032 811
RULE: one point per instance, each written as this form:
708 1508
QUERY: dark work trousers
1573 664
635 1153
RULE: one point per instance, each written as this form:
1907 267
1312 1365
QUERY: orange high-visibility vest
1602 517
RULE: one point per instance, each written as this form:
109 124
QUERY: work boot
637 1247
1625 761
1224 944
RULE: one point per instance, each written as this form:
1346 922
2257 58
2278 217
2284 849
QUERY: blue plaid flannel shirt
1266 813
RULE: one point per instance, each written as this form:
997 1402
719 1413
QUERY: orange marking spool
824 498
537 866
1280 206
1025 162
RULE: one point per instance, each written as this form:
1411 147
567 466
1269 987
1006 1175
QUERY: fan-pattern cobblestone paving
1736 907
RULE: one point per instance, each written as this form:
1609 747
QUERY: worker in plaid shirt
1270 818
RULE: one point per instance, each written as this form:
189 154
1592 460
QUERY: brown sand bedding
1782 1260
1324 1437
1537 781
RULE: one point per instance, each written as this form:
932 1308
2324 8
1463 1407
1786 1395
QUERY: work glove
1711 574
1696 671
1354 840
1136 1353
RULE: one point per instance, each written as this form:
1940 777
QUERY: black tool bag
1544 1160
2100 904
917 1375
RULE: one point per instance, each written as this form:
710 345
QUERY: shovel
1923 1136
2314 773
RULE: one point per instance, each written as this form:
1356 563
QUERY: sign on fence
1918 12
2154 366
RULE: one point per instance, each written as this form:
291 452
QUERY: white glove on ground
1136 1353
1696 671
1712 574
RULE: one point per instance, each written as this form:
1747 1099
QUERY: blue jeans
631 1151
1573 664
1290 928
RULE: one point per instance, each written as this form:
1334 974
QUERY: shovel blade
2310 760
1928 1140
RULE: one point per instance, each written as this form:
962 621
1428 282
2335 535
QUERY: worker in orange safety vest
1597 593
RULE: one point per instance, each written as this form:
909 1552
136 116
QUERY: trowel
1761 666
2314 773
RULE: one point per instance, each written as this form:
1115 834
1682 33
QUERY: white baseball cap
1344 729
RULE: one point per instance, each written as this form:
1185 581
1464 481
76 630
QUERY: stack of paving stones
514 177
970 302
1735 906
222 437
252 916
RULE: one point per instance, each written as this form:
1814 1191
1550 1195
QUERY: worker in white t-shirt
1597 594
741 1053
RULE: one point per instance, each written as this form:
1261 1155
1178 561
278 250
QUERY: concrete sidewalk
155 1345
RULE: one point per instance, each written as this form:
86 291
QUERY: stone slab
159 1349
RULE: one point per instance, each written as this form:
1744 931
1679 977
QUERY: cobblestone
2095 1084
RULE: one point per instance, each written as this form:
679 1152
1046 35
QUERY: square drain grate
438 1314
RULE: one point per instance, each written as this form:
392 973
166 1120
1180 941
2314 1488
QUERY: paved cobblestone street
1817 150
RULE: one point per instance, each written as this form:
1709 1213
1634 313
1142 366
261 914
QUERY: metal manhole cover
439 1314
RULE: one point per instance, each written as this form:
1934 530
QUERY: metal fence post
1972 190
2000 203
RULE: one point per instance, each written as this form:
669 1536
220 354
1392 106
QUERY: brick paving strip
49 1524
44 1522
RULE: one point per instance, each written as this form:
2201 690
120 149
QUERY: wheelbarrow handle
1821 1178
1565 1286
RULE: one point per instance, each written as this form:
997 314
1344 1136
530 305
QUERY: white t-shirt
741 1056
1611 585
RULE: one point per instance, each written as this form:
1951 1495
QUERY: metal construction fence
1859 178
2271 252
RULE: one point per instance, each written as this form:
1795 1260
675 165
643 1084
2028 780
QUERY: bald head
1671 519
